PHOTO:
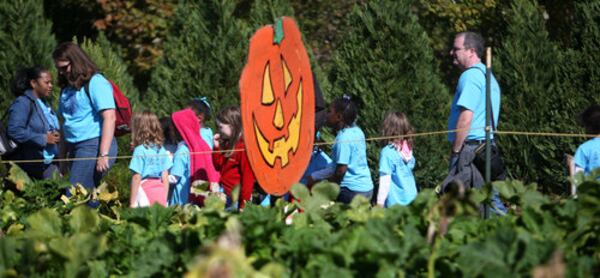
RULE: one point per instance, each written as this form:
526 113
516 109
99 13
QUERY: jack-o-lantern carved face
277 99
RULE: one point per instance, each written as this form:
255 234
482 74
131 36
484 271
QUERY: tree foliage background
388 54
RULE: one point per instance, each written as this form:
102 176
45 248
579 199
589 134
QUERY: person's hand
63 167
215 187
102 164
52 138
310 181
453 160
216 139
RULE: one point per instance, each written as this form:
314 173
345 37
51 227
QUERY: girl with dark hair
32 124
349 168
201 108
89 117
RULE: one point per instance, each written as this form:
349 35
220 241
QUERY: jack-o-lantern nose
278 119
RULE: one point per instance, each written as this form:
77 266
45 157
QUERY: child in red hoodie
230 157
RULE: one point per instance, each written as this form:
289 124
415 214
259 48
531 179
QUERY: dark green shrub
26 39
386 63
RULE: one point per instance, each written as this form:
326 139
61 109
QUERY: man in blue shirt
467 114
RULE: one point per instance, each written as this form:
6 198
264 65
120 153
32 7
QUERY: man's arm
463 125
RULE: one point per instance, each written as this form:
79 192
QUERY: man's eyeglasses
454 49
63 69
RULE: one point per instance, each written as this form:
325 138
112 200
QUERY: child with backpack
230 157
396 162
150 162
587 156
350 168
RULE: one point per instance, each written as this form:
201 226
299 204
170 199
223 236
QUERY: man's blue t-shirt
403 189
350 149
150 161
470 95
82 118
587 155
181 169
207 135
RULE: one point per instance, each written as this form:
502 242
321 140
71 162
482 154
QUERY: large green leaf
45 223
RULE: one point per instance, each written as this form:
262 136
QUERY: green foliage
203 57
26 41
386 64
434 236
528 70
587 50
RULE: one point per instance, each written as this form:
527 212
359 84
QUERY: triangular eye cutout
267 89
287 77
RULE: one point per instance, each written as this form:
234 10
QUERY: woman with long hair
87 106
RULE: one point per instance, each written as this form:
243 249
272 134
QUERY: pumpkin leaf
17 176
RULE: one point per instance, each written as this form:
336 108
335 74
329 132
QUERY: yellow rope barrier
525 133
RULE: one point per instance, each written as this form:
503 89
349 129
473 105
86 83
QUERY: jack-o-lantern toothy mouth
280 146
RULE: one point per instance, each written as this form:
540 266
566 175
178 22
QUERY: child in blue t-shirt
349 168
150 162
396 162
201 107
587 156
180 173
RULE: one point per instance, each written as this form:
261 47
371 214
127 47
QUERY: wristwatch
103 154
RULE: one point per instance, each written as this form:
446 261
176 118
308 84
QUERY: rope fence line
380 138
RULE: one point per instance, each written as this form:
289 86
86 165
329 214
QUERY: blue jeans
84 171
346 195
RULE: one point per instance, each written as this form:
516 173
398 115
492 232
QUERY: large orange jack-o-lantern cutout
277 103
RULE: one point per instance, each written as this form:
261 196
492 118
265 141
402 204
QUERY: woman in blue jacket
89 115
32 124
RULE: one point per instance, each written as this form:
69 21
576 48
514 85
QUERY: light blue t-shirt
207 135
470 95
350 149
587 155
150 161
51 150
181 169
82 118
403 189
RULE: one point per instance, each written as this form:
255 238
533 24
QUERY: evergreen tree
204 56
26 40
112 66
536 96
386 63
264 12
587 40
